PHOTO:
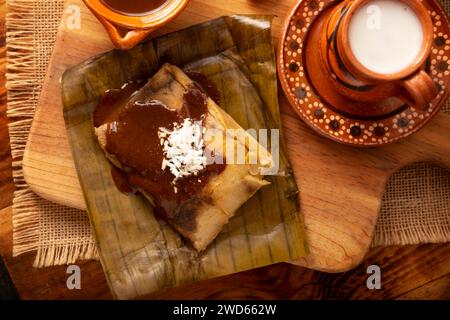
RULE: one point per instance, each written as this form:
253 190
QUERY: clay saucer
308 87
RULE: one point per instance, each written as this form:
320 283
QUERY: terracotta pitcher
127 30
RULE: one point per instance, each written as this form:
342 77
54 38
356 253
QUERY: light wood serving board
340 187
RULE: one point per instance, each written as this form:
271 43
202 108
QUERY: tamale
202 215
139 253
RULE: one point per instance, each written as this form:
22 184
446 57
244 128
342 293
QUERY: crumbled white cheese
183 149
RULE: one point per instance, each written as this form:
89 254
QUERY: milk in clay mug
128 22
375 49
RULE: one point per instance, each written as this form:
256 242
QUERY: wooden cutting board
340 187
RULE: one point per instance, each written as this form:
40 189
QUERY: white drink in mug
386 36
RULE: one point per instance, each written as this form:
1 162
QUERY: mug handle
127 41
418 90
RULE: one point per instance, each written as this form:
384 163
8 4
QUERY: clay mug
126 30
412 84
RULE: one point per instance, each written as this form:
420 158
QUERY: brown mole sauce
133 140
121 180
114 101
206 85
134 7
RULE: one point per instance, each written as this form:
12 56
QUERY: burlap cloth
415 209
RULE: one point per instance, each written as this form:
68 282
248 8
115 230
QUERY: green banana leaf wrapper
140 253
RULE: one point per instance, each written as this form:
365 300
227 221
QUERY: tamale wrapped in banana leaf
141 253
200 204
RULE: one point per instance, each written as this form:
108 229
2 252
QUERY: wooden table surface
408 272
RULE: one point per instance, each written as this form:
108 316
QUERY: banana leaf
140 253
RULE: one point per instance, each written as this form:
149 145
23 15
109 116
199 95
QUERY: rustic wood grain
6 186
438 289
339 231
410 272
47 283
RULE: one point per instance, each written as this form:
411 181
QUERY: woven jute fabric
58 234
415 208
